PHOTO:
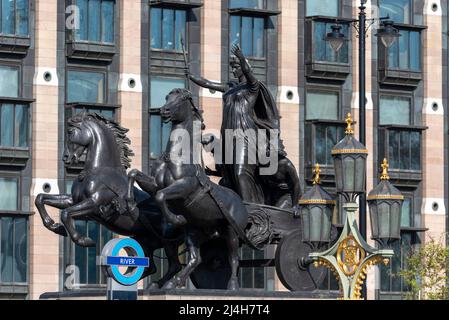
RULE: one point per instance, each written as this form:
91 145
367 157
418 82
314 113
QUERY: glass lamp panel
349 174
328 8
374 219
384 219
305 214
326 224
316 222
360 174
395 220
338 165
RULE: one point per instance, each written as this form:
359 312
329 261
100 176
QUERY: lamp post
351 256
388 35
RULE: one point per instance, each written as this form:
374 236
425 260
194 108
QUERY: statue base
180 294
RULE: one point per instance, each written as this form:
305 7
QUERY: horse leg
77 211
181 189
194 260
232 241
148 184
55 201
174 266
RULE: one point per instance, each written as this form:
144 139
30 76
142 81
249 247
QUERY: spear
185 59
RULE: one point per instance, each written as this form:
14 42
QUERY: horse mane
186 95
119 132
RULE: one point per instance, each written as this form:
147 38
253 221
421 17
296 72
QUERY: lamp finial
349 122
385 167
317 172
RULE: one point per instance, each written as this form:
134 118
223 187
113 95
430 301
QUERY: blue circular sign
135 260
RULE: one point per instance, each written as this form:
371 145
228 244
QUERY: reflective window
13 250
249 33
400 11
405 53
322 105
326 137
404 149
322 50
8 194
390 281
9 82
83 86
159 131
108 113
253 4
14 125
14 17
252 278
167 27
329 8
395 110
96 22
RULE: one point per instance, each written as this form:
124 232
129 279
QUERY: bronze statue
100 190
187 197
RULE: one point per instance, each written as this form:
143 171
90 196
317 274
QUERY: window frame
102 43
91 70
15 35
399 94
411 12
186 40
18 66
156 111
265 37
409 51
339 5
15 103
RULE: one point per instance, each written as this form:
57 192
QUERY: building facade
120 58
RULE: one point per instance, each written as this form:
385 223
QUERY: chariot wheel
293 275
214 271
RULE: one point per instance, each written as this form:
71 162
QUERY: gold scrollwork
350 255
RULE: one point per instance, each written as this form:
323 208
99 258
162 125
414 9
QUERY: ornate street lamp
388 33
350 164
316 208
385 204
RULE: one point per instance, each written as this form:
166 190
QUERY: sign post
123 286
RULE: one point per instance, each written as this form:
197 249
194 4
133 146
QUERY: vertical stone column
288 96
44 245
130 84
433 210
211 35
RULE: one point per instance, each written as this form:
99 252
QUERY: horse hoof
154 286
58 229
171 285
85 242
233 285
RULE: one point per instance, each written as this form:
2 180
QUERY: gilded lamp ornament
350 164
385 205
316 209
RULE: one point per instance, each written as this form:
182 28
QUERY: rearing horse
98 193
185 194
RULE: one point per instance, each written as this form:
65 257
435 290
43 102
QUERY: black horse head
179 107
87 131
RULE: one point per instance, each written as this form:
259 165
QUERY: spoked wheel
292 273
214 271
